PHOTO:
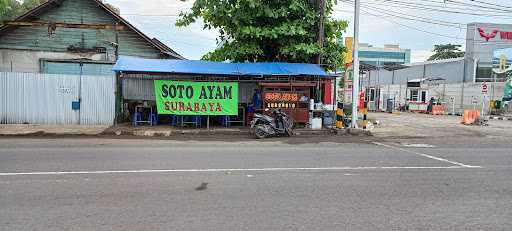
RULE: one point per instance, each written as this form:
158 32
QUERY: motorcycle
263 126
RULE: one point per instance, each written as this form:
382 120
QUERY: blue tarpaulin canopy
140 65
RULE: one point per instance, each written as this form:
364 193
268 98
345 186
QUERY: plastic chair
196 120
224 121
137 116
154 119
176 120
173 119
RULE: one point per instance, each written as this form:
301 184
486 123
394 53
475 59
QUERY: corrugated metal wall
138 89
98 100
47 99
471 91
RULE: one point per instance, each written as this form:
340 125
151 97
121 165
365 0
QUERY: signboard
485 88
196 98
281 99
474 100
281 105
349 55
502 64
502 61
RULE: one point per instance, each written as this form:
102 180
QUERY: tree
269 30
446 51
3 6
10 9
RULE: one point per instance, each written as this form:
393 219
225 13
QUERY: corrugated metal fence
47 99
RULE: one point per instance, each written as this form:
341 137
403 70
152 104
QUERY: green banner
196 98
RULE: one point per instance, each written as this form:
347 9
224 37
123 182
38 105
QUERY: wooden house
73 37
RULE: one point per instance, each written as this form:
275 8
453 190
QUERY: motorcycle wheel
259 132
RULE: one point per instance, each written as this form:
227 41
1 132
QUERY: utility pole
321 31
355 78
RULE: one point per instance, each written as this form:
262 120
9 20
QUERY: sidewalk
35 129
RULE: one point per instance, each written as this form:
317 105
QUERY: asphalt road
129 184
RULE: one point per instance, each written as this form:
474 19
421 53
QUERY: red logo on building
488 36
506 35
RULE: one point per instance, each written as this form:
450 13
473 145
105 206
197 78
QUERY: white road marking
418 145
222 170
426 155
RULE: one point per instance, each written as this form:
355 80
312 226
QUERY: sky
382 22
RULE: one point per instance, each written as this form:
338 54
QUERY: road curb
233 132
500 118
115 131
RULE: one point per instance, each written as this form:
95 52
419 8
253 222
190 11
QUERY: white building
459 83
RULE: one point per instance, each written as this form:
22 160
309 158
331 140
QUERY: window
370 94
418 95
484 74
414 95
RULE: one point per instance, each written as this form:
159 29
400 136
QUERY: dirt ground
413 125
404 127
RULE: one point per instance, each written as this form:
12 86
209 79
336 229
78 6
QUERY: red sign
492 34
281 97
506 35
485 88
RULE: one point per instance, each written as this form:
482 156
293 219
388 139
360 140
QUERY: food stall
292 98
255 87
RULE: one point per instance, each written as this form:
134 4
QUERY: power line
150 15
472 6
414 17
502 8
418 18
422 30
410 27
396 14
445 5
430 8
490 4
